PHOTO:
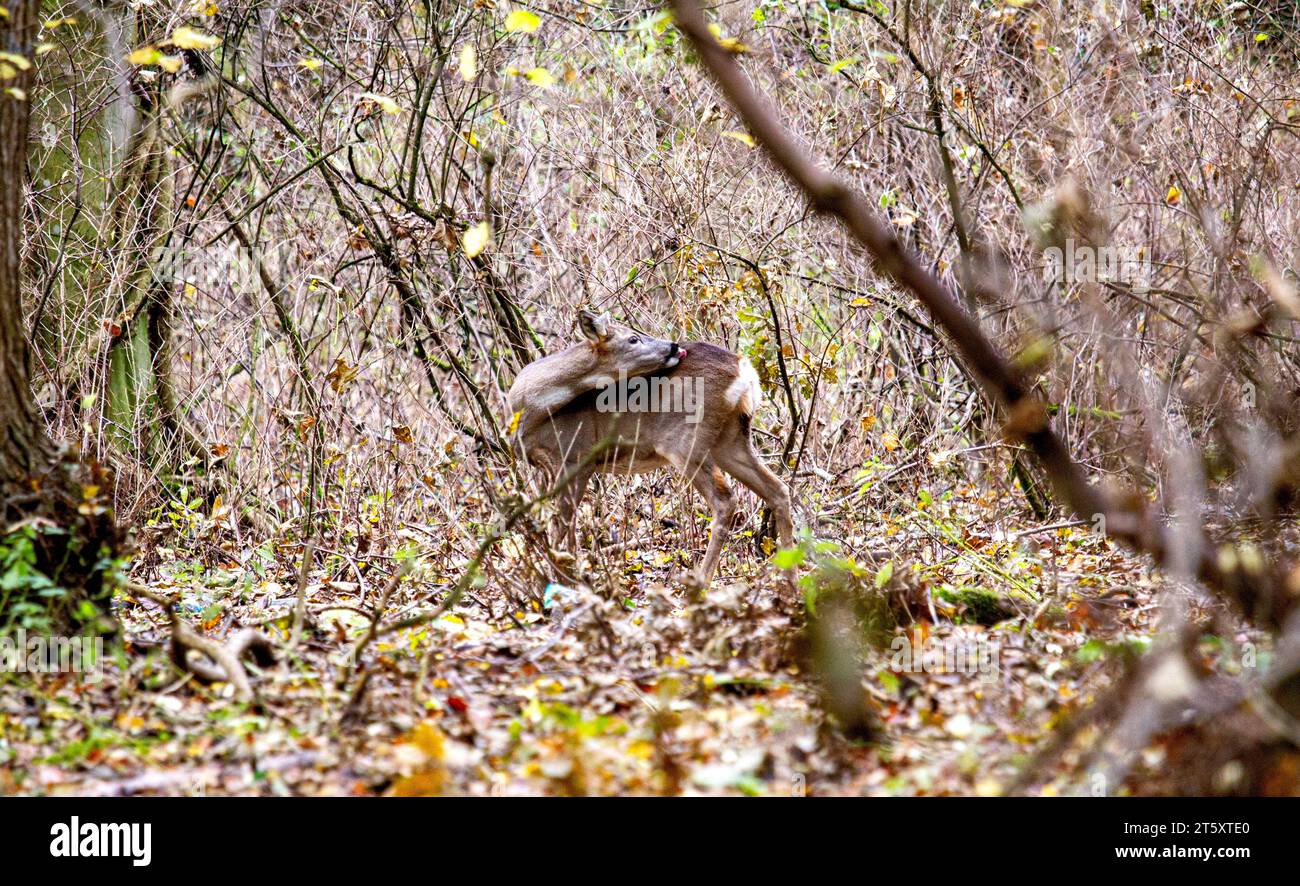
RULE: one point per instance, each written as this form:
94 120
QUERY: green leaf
884 574
809 595
788 558
1090 651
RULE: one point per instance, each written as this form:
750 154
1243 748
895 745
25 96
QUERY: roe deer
700 433
545 385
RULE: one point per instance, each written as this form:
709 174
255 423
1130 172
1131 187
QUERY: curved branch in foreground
1259 590
227 657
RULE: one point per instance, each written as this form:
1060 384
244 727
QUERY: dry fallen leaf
341 375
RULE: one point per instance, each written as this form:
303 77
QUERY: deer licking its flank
687 407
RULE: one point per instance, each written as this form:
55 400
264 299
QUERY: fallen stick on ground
227 656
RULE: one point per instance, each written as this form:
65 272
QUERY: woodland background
280 262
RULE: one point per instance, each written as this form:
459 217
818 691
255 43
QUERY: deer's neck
576 370
554 381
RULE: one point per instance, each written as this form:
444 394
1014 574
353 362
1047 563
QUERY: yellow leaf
540 76
151 55
514 422
192 38
386 104
129 723
43 48
426 783
423 749
731 44
145 55
310 64
17 61
53 23
641 750
522 20
17 93
468 62
889 440
742 137
403 434
1173 196
428 738
476 239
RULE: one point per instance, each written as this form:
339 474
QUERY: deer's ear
592 327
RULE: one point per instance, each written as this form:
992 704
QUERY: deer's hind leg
742 462
710 482
567 502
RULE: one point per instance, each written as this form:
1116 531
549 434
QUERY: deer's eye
634 340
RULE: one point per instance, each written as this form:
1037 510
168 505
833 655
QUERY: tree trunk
57 537
23 448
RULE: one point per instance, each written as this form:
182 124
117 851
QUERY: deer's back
723 384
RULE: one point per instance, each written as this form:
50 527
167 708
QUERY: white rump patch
744 392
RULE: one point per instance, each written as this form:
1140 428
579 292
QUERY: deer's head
618 349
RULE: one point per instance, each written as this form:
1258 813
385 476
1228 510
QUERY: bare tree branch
1254 586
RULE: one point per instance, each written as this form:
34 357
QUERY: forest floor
652 689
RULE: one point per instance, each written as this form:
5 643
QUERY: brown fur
646 441
545 385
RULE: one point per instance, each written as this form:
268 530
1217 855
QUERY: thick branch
1252 585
